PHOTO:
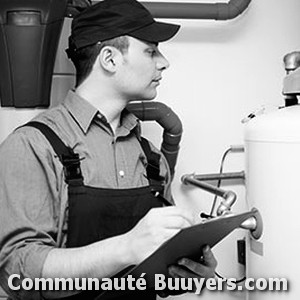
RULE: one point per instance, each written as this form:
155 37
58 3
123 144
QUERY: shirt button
122 173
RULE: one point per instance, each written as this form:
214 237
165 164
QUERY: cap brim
156 32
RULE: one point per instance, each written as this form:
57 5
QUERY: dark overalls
99 213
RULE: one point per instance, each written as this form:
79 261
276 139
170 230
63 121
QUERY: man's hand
187 268
158 226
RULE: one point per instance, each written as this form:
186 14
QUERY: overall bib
99 213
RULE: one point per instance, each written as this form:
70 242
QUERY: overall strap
68 158
71 160
153 167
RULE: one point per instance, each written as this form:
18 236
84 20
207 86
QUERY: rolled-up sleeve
29 208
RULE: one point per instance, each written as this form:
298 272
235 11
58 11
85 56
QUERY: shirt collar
81 110
84 113
130 122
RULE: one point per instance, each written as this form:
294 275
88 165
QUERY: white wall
220 72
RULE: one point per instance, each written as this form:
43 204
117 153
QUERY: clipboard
187 243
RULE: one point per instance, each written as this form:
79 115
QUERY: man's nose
162 62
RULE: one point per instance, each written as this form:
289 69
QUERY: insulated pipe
213 11
164 116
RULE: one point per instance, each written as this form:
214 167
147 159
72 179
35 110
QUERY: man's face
141 70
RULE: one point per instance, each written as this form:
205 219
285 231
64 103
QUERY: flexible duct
213 11
163 115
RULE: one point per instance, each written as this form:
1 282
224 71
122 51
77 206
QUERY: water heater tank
272 145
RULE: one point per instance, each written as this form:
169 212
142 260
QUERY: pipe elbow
225 206
232 9
159 112
166 118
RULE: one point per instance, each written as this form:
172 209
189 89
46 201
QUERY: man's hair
85 57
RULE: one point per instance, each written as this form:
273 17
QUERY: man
77 199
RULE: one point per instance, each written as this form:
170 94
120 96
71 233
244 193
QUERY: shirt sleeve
29 208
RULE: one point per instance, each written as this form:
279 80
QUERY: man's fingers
205 268
208 258
197 269
179 272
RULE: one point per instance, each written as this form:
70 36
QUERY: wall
220 72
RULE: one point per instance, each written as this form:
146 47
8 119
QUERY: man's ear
108 58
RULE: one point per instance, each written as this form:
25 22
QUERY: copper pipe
221 176
228 196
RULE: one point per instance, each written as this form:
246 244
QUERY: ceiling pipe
186 10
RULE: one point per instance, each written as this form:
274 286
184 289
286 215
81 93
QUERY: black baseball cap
112 18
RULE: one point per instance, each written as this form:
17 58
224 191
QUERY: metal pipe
225 206
185 10
228 196
190 179
250 224
222 176
254 224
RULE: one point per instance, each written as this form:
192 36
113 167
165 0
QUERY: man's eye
152 52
